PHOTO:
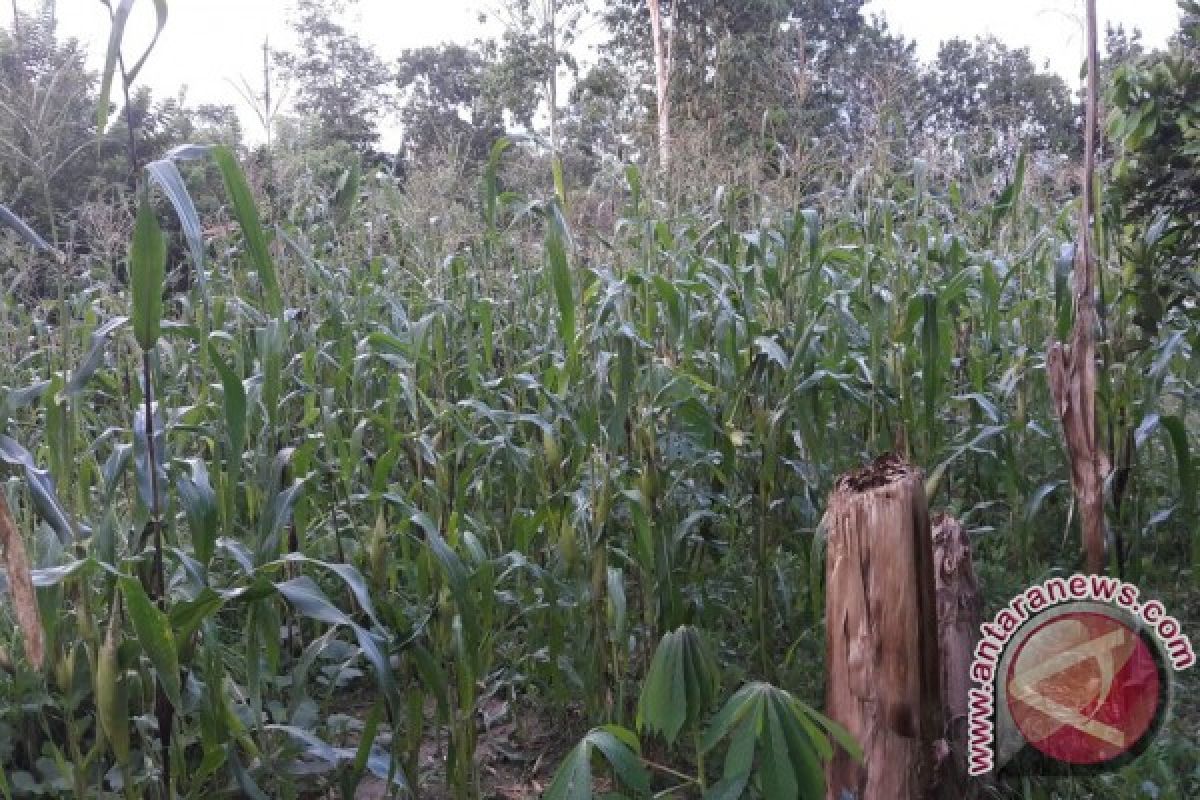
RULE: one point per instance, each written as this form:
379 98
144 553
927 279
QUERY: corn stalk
1072 370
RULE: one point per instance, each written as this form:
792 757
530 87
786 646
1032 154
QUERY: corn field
323 500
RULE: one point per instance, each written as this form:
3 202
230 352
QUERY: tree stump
881 633
959 612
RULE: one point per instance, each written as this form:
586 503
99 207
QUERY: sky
210 45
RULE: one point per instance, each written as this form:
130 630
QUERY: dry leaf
20 585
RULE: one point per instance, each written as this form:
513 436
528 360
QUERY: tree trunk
959 613
551 21
662 73
881 633
1072 372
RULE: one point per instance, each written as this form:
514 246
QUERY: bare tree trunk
881 633
551 18
1072 372
959 612
663 61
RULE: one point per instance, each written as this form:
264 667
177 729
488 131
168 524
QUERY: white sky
209 43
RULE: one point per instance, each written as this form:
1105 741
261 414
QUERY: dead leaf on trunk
20 585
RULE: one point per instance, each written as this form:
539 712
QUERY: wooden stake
881 633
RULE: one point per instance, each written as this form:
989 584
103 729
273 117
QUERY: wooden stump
959 612
881 633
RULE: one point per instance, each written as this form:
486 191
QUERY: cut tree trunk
881 634
959 612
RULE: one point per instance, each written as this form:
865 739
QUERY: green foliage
477 457
147 267
1154 120
339 81
680 686
995 100
618 747
776 740
154 634
246 213
450 103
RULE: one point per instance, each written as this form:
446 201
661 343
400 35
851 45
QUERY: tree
47 119
450 101
989 96
339 80
535 45
742 71
601 110
663 37
1154 121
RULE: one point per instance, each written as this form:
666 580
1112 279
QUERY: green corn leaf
246 213
154 633
276 516
42 490
165 175
931 358
244 780
199 503
27 233
491 182
350 576
115 35
560 276
187 616
95 356
304 595
160 22
147 270
233 402
1177 433
346 191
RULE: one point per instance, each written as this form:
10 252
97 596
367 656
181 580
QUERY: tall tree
47 122
994 99
339 81
536 45
1155 185
796 70
450 100
601 113
663 37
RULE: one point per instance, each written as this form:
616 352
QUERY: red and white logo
1073 674
1084 688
